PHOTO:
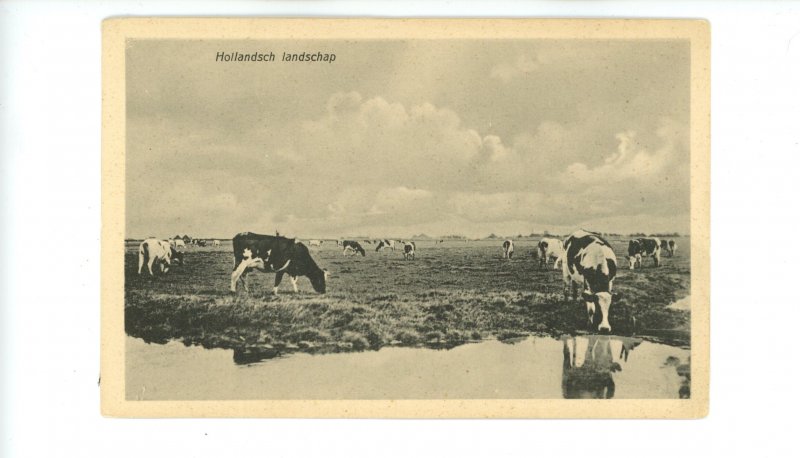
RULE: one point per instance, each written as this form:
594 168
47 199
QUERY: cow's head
603 302
177 256
361 250
318 278
634 248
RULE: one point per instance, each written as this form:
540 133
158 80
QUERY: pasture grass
451 294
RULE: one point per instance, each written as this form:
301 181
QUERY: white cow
153 251
215 243
315 243
385 244
177 243
551 248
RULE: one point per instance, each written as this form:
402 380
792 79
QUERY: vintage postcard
379 218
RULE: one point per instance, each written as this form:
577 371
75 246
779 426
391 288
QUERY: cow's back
581 241
258 244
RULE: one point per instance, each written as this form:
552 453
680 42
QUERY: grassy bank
448 296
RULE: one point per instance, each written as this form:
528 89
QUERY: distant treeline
419 237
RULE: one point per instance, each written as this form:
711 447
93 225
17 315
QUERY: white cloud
373 166
631 161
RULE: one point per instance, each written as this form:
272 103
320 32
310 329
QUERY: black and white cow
353 247
551 248
592 264
158 252
274 254
668 248
385 244
409 250
315 243
644 247
508 249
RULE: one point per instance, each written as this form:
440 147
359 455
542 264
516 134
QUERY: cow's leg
657 257
293 278
150 265
590 314
240 272
244 280
141 261
237 272
278 278
567 280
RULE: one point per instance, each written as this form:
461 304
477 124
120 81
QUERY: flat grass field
452 293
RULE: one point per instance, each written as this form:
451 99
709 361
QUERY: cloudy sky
397 138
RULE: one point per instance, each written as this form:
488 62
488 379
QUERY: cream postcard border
117 30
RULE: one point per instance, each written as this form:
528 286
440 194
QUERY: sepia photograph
418 218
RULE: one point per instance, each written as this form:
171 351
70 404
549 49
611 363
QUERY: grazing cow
353 247
201 243
177 243
409 249
385 244
644 247
369 242
590 262
315 243
551 248
153 251
668 248
274 254
508 249
215 243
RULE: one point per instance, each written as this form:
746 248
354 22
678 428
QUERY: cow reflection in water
593 379
684 371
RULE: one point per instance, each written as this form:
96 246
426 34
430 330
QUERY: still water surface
534 368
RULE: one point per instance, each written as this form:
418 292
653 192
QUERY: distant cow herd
587 261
